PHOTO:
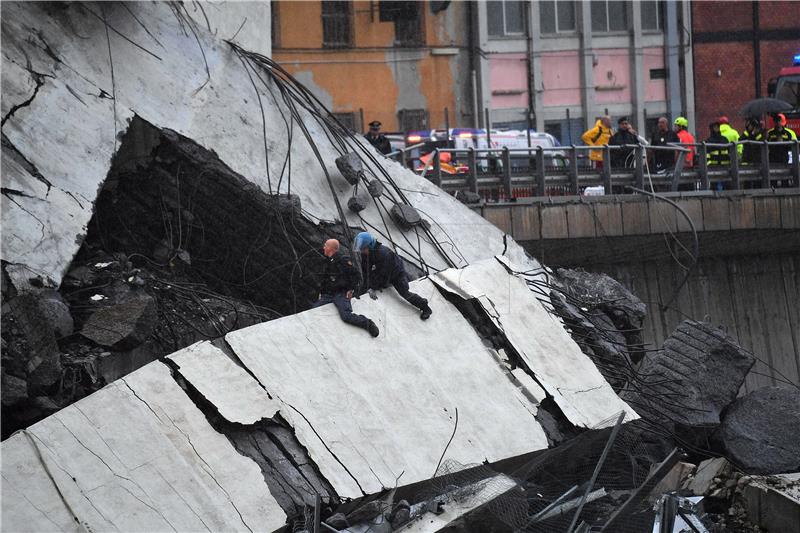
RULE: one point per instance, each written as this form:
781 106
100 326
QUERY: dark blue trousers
400 283
344 307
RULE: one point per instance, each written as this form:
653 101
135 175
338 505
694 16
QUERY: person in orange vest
681 125
598 136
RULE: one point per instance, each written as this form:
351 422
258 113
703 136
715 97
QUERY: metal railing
498 174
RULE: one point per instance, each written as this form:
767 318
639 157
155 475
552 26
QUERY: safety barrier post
765 165
539 171
507 171
702 166
734 169
638 172
676 172
437 168
472 180
573 170
796 162
403 157
607 168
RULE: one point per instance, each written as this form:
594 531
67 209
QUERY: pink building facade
560 65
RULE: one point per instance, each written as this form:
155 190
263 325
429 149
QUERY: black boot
373 329
426 312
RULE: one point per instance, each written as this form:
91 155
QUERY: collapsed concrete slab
308 405
135 456
371 409
317 407
548 353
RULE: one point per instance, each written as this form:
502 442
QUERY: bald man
339 280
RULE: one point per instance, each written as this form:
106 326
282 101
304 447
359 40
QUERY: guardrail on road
506 173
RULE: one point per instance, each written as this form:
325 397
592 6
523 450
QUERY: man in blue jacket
382 267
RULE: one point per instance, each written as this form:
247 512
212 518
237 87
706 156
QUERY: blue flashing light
796 61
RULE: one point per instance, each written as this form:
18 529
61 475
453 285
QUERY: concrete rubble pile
160 161
162 368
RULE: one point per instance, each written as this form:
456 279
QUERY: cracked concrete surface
550 355
135 456
81 111
142 454
369 410
237 396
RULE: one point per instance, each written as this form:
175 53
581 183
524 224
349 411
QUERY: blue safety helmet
363 240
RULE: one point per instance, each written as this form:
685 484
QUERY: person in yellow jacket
729 133
598 136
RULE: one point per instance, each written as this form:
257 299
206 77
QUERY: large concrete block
692 380
761 431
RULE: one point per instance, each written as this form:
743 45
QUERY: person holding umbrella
751 153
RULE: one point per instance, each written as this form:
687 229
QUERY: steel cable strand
358 145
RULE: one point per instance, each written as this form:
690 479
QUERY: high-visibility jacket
780 154
752 152
732 135
597 136
716 155
687 138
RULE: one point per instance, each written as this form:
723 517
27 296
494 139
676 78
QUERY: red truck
786 87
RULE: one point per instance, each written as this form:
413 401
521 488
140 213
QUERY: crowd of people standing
720 133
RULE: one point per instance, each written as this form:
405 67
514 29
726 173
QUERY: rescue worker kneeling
382 267
340 279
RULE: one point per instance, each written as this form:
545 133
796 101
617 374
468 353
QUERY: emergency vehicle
786 87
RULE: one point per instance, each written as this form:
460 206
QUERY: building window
658 73
407 18
348 120
652 16
557 16
336 24
506 17
412 119
609 15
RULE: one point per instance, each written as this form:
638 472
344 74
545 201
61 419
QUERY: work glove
373 294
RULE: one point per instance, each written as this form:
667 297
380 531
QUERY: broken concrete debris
605 319
124 325
198 232
708 473
15 389
691 380
773 502
761 431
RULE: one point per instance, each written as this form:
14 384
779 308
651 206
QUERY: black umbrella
764 106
